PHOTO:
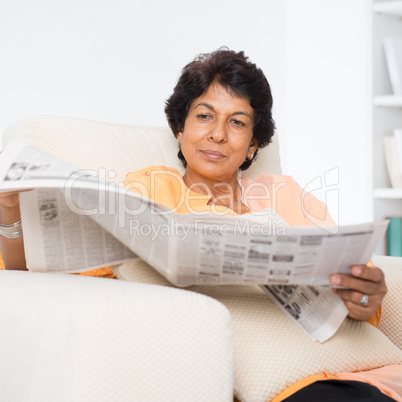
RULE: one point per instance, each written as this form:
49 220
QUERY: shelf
388 193
388 100
389 7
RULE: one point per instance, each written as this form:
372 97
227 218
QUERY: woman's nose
218 133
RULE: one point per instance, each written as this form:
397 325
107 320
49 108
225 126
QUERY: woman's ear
253 146
179 135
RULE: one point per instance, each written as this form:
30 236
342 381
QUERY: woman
220 113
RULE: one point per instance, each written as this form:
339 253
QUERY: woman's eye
203 116
238 123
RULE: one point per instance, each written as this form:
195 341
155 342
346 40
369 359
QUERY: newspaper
74 221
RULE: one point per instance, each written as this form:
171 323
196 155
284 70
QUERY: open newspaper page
55 238
75 221
66 242
315 309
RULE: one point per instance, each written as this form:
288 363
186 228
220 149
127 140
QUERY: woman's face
217 135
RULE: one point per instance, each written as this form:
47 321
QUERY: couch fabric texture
78 339
270 352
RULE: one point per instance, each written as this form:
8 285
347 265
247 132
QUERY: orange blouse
280 193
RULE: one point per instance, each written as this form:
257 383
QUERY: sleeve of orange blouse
139 182
105 272
102 272
376 318
315 211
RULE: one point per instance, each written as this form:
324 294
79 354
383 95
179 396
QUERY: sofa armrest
392 306
65 337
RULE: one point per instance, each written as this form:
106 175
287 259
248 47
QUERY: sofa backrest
118 148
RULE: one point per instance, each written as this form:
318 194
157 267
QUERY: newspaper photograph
75 221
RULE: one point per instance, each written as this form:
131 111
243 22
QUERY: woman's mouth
212 155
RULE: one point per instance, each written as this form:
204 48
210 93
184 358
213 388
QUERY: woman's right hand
12 250
9 199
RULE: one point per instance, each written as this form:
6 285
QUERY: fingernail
335 280
357 271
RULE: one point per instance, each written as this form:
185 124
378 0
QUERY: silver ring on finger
364 300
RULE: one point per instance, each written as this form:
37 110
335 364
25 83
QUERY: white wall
118 60
329 103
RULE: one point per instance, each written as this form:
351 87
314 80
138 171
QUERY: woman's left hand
364 280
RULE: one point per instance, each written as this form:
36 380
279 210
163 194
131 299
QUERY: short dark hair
236 74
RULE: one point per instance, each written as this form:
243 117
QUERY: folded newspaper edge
74 221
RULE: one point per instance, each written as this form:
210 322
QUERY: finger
353 297
358 312
364 275
352 302
14 192
373 274
357 284
10 199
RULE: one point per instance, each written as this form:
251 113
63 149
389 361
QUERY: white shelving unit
388 193
388 101
389 7
387 113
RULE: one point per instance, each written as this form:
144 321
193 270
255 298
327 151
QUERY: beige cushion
391 322
80 339
120 148
271 353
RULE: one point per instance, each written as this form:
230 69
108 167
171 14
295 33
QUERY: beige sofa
82 339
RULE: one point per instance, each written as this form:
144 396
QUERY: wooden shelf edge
388 193
393 8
